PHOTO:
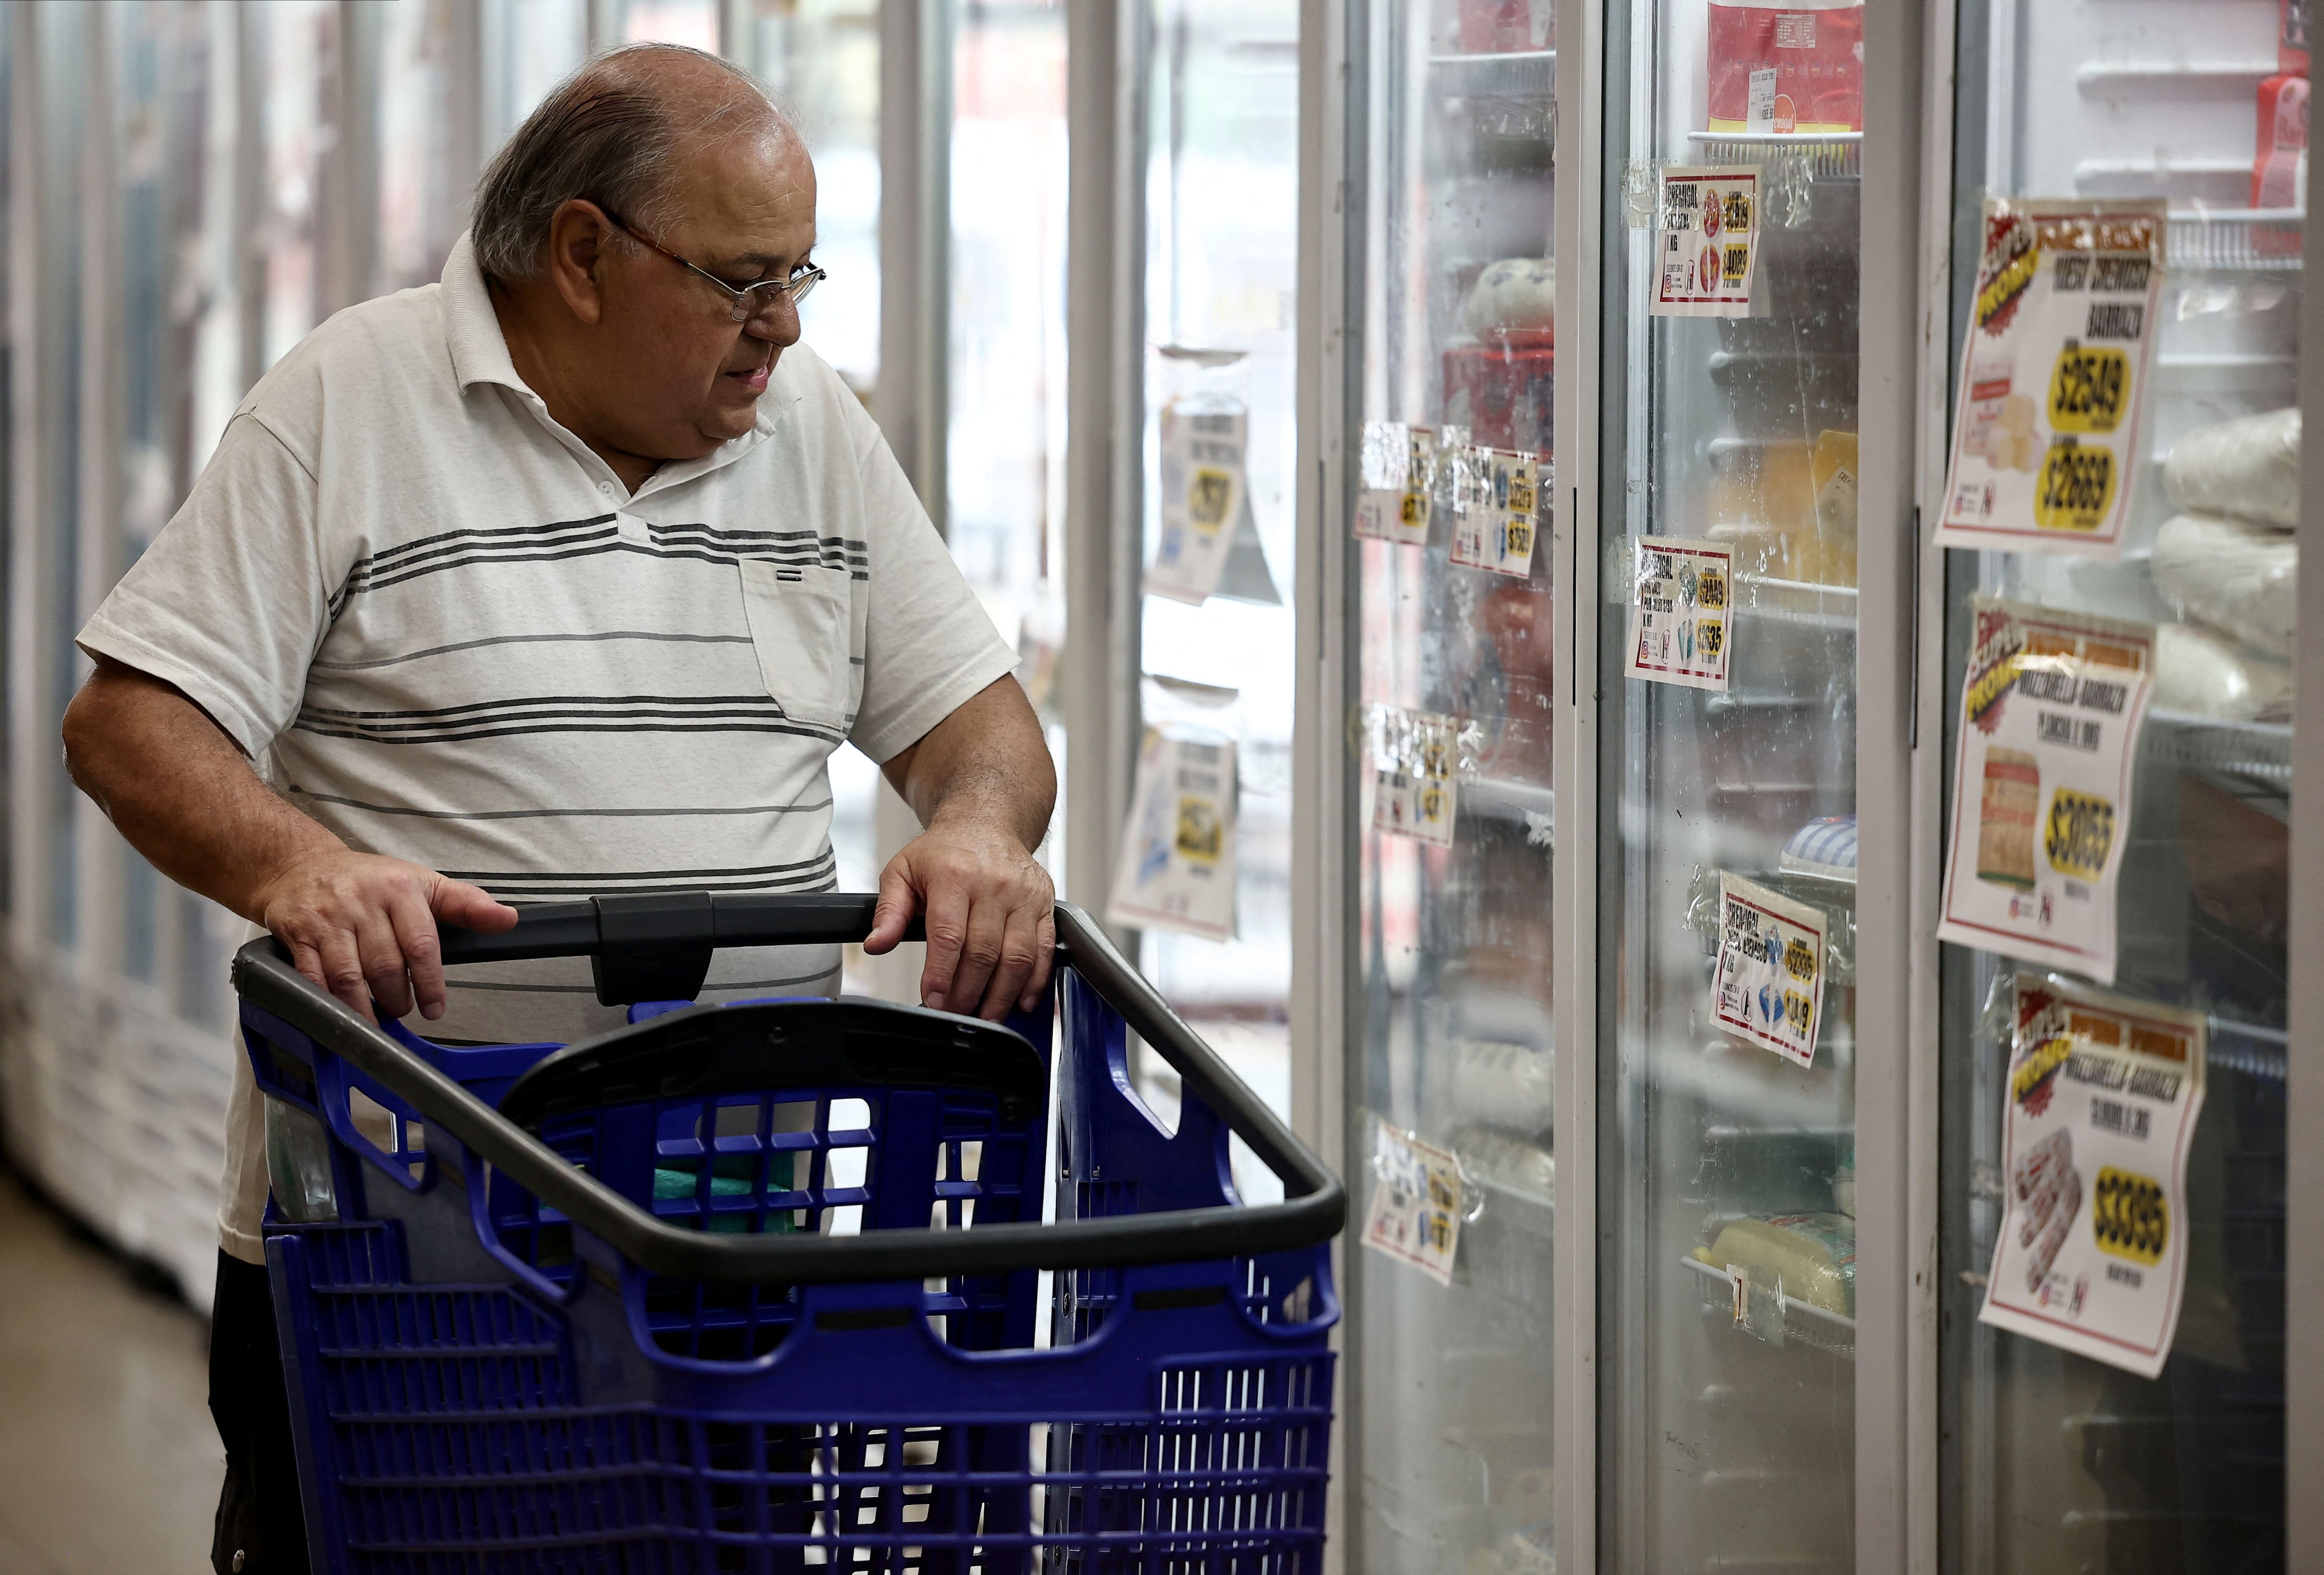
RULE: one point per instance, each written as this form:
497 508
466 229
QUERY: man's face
682 376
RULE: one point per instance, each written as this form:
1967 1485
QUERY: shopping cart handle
1314 1209
657 948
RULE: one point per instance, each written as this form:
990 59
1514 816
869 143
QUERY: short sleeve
928 647
234 597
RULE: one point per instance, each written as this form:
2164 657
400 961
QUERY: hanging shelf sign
2098 1115
2045 451
2052 706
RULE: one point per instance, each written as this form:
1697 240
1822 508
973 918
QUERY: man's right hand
364 927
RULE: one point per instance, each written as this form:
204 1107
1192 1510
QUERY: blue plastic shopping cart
758 1286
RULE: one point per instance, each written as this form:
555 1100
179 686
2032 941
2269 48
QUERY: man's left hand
991 917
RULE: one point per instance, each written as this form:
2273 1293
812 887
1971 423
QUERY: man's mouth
753 379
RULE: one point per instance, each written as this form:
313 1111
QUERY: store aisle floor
108 1458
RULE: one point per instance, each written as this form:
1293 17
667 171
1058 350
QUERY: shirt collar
471 328
480 354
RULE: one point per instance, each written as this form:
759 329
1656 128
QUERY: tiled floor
108 1463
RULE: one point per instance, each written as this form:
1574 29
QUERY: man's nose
779 325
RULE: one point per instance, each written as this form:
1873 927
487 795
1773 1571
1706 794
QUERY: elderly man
563 576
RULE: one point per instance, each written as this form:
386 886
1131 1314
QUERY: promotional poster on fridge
2052 706
2045 453
2101 1107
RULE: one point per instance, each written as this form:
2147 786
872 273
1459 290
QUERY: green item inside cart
730 1176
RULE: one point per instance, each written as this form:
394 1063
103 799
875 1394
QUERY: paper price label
1682 611
1177 868
2051 713
1414 786
1414 1217
1707 241
1768 988
1203 485
2098 1113
2045 449
1499 516
1396 482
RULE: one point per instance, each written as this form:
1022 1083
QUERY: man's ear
579 237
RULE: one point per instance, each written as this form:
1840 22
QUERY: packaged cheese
2248 468
1813 1257
2207 674
2240 578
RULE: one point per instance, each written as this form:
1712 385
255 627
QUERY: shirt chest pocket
800 626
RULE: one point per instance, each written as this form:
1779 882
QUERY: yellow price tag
2079 833
2130 1216
2088 387
2076 489
1200 834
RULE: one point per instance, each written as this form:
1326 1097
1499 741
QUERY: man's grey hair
610 133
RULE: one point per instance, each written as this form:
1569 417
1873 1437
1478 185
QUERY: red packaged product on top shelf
2283 143
2292 39
1805 61
1501 27
1501 390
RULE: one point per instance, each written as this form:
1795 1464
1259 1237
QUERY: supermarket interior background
1853 710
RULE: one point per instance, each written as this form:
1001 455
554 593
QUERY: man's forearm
987 762
180 790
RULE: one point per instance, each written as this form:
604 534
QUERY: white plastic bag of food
2206 674
2240 578
2248 468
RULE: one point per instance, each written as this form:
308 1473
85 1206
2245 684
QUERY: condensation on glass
1728 1416
1452 1042
2054 1462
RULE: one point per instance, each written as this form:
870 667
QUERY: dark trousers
262 1527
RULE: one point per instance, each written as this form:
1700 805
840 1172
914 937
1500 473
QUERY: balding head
617 133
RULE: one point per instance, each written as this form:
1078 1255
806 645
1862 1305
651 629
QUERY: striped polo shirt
450 634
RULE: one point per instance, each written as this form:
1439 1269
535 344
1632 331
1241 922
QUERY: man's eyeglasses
751 300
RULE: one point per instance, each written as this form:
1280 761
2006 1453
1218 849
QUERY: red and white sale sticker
1682 611
1706 241
1768 990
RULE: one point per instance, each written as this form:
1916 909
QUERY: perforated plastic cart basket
758 1286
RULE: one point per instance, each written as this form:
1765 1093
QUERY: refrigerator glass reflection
1726 1054
1454 1045
1220 271
2056 1459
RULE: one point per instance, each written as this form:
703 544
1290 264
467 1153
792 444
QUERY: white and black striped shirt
455 636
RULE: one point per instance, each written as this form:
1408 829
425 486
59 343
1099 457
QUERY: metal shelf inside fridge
2265 240
1803 1321
2253 758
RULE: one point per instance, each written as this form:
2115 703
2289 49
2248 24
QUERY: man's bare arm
982 784
180 790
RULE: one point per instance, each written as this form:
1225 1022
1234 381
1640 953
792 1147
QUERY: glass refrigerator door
1451 1056
1727 666
2088 1433
1221 271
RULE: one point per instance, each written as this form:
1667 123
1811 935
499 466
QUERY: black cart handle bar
1314 1205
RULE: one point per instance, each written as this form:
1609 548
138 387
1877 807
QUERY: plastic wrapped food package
2206 674
1789 508
2248 468
1812 1256
2239 579
1783 68
1515 298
